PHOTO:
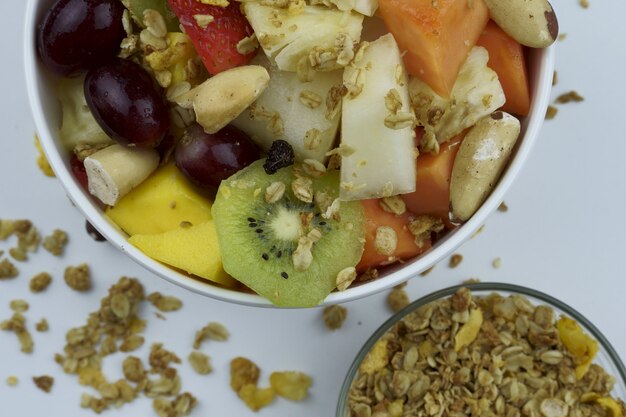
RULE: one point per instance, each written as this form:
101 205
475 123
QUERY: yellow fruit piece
376 359
256 398
42 162
582 346
193 249
291 385
613 407
468 332
161 203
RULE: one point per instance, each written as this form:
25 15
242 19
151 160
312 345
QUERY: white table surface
563 234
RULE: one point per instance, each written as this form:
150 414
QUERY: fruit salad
290 147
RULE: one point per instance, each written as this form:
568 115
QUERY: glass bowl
46 113
606 357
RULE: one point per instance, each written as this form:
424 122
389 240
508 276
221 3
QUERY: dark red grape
127 103
207 159
80 34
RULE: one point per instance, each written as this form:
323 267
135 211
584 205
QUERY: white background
563 234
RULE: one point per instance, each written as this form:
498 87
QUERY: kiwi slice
258 239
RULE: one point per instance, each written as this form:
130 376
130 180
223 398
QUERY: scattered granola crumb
562 37
497 263
87 345
334 316
18 254
19 306
584 4
571 96
40 282
555 78
427 271
56 242
8 270
28 238
455 260
133 369
160 358
471 281
159 316
42 325
182 405
132 343
17 325
200 363
398 298
503 207
165 303
78 277
214 331
42 162
44 382
12 381
551 112
243 372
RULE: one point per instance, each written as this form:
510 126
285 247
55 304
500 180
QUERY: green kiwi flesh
257 239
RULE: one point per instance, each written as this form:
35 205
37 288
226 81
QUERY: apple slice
285 98
377 125
287 37
476 93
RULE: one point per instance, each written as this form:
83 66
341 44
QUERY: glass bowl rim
482 287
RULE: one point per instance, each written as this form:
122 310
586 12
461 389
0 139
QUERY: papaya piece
406 248
432 181
437 36
506 58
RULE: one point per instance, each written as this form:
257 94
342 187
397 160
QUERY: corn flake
291 384
376 359
468 332
578 343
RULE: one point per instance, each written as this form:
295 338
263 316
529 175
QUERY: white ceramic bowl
46 112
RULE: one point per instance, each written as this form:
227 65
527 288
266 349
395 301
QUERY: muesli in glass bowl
485 349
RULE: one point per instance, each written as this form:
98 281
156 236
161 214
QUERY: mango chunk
193 249
161 203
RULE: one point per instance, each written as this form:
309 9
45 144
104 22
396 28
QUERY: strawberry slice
216 43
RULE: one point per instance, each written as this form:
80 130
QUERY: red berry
217 43
78 169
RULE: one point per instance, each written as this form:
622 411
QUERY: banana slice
113 171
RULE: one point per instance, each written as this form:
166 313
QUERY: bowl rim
493 287
117 238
